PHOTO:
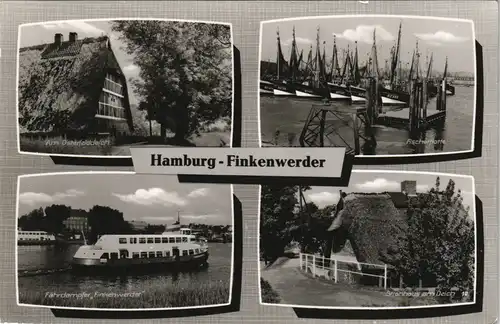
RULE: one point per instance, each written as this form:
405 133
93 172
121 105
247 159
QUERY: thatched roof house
72 85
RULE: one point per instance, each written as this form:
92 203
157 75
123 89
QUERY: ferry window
133 240
167 253
114 255
184 252
150 240
178 240
144 254
151 254
159 254
191 252
164 239
122 240
184 239
142 240
157 240
135 255
105 256
196 251
171 240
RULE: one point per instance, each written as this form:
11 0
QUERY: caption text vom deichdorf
233 160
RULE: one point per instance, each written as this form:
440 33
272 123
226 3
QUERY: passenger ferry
156 252
35 238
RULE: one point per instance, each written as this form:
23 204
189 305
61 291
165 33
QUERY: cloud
34 198
299 40
423 188
75 25
441 37
364 34
153 196
158 218
324 198
198 217
201 192
379 185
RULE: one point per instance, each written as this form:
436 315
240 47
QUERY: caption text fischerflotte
234 160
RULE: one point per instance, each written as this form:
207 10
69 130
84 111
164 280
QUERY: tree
106 220
55 215
278 208
185 71
154 229
33 221
441 240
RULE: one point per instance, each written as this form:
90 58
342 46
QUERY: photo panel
391 244
96 244
389 88
90 90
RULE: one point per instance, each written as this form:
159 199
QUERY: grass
170 296
268 294
61 145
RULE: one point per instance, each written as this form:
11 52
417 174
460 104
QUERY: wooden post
400 281
322 128
444 94
335 272
370 103
413 106
314 266
355 126
426 99
385 276
419 282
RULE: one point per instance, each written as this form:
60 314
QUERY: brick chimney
409 187
58 39
73 37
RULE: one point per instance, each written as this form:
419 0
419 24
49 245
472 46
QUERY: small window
144 254
171 240
135 255
164 239
131 240
191 252
114 255
159 254
178 240
150 240
105 256
157 240
184 252
167 253
151 254
122 240
196 251
142 240
184 239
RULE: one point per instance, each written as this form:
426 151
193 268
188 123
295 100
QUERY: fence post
314 266
335 270
385 276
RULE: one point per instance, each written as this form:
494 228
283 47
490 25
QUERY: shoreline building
73 87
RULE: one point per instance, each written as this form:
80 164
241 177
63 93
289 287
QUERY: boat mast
417 62
317 61
278 52
335 63
445 69
374 59
395 59
357 77
293 56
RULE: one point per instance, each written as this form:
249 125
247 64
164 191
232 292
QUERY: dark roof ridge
82 41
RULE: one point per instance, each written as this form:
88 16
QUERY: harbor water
32 258
283 118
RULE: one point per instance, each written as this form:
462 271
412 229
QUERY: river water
51 257
288 116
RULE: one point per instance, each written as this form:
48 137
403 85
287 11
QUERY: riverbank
171 296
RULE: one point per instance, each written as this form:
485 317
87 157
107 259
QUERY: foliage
33 221
440 242
55 215
154 229
268 294
185 71
106 220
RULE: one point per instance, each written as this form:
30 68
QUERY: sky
387 181
155 199
440 37
44 34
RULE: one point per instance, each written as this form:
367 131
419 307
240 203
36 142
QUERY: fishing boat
173 249
339 90
313 85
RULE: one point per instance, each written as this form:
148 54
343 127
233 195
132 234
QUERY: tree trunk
182 124
163 133
150 128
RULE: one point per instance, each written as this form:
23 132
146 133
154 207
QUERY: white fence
316 266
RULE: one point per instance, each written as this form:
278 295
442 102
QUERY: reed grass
173 295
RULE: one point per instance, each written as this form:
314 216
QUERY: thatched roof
59 85
375 227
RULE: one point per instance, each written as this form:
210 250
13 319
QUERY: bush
268 294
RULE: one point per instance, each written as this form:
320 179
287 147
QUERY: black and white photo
385 86
99 87
390 240
118 240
